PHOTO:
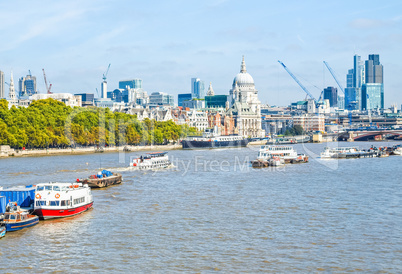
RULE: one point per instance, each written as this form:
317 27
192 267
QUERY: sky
166 43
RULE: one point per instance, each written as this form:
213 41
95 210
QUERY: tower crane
347 99
48 88
333 75
105 74
298 82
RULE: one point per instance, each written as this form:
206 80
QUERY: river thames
213 212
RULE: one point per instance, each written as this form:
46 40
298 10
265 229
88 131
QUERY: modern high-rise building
373 88
2 95
360 82
131 83
373 96
197 88
331 94
27 86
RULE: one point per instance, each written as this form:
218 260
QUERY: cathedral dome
243 78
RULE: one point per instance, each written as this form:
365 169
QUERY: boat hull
45 213
187 144
23 224
2 232
103 182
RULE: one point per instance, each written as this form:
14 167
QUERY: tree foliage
295 130
50 123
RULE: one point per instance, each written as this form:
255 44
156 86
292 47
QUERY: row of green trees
50 123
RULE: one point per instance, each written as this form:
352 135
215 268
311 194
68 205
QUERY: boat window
40 188
56 188
48 187
54 203
40 203
12 217
7 216
63 203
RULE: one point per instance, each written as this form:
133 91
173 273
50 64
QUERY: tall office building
197 88
2 95
365 82
27 86
331 94
373 88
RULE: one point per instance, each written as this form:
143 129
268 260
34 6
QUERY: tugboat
56 200
16 219
154 160
104 178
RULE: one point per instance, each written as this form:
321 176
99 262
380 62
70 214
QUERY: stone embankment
6 151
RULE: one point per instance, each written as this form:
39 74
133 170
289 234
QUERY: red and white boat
56 200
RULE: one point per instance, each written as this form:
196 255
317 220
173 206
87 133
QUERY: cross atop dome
243 66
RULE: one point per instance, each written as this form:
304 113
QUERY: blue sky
166 43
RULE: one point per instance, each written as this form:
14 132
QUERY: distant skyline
166 43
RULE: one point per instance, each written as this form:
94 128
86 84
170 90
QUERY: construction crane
297 81
105 74
336 79
48 88
347 99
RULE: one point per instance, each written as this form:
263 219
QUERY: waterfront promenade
81 150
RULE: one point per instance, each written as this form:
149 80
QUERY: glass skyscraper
373 88
373 96
197 88
359 82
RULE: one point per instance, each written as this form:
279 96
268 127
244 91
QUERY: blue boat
17 219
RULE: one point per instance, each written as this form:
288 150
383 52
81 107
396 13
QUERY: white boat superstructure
398 150
285 152
55 200
330 153
154 160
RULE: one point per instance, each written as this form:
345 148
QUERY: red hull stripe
59 213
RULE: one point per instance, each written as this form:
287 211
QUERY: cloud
43 26
364 23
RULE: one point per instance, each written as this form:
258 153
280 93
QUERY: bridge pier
351 137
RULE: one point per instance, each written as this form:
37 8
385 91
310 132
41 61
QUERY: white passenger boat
277 154
330 153
154 160
287 153
56 200
348 152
